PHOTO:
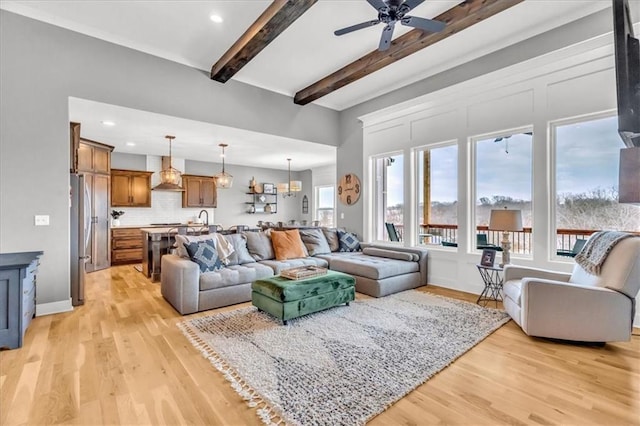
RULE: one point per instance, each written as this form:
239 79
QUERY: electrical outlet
42 220
342 215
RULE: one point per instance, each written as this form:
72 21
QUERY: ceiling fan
390 12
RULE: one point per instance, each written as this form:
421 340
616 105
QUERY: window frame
472 189
316 210
379 198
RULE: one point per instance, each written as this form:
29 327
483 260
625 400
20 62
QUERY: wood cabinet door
120 190
101 236
101 160
141 190
85 157
192 196
208 191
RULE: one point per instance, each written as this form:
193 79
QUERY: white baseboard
53 307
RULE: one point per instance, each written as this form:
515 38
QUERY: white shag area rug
344 365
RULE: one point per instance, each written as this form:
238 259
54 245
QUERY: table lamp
505 221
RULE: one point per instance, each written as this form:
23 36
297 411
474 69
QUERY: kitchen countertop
182 225
173 230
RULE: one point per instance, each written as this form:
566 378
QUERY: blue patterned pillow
204 253
348 241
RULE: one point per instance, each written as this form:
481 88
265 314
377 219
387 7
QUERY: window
437 184
389 195
503 179
587 154
325 205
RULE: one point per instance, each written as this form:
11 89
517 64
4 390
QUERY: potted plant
115 217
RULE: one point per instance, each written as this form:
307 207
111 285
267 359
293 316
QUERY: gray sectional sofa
379 270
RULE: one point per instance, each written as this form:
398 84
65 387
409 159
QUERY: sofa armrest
512 272
422 257
180 283
573 312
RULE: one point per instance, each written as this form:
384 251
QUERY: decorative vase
267 208
252 184
115 222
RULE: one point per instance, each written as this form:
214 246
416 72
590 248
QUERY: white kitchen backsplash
166 207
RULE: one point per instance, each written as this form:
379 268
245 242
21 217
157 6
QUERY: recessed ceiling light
108 123
131 144
216 18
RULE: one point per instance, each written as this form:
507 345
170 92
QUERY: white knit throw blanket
597 248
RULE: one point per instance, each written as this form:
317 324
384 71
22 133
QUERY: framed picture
488 257
268 188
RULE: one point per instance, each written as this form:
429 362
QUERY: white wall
571 83
41 66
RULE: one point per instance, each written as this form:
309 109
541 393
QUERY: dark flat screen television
627 60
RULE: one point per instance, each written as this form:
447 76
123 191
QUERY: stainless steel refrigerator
80 230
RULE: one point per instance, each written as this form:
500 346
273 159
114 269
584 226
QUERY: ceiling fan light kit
390 12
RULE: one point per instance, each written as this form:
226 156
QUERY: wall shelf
262 203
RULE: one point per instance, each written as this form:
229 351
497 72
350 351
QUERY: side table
491 275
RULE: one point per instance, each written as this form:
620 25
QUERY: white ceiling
194 140
307 51
182 31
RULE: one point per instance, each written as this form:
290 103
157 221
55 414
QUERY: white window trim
316 192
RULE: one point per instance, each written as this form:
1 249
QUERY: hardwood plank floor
120 359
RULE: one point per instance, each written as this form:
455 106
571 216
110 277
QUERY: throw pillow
259 245
331 234
183 240
240 254
315 241
204 253
348 241
287 244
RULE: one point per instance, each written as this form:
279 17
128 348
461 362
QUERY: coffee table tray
302 272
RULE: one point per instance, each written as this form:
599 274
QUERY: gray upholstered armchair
577 306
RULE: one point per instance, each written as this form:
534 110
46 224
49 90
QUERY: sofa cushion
348 241
373 267
331 234
259 245
279 265
182 240
315 241
287 244
234 275
240 254
391 254
204 253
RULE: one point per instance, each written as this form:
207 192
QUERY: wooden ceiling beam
457 18
269 25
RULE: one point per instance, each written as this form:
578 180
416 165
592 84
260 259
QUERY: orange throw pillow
287 244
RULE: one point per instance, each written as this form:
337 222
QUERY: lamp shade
505 220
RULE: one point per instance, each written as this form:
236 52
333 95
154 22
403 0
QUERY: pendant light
223 179
291 187
169 177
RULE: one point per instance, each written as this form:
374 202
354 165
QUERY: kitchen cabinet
130 188
199 191
126 246
92 156
262 203
17 296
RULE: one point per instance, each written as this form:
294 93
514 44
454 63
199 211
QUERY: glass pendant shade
169 177
223 179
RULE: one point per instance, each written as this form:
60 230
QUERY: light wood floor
120 359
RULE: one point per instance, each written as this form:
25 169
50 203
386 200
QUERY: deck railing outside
521 242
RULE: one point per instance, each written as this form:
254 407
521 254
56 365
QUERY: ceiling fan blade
356 27
387 33
410 4
423 24
377 4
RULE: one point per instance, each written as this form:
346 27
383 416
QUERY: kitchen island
157 241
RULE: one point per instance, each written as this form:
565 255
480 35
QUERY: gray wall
350 152
125 161
41 66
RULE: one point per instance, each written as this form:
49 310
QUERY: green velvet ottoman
287 299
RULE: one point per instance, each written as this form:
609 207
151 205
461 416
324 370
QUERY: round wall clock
349 189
